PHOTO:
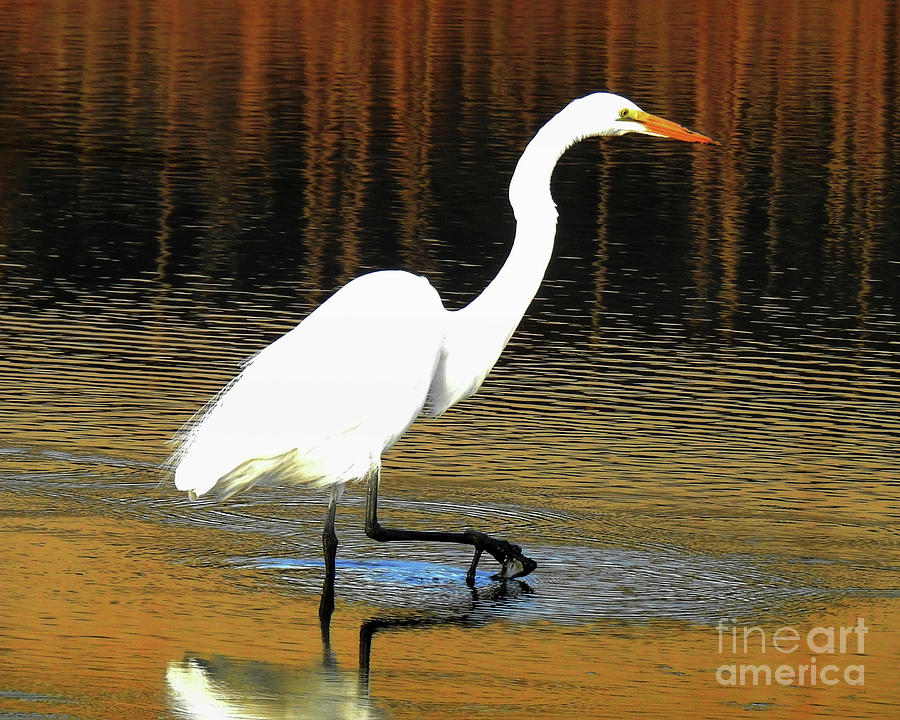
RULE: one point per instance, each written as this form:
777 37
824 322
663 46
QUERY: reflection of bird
322 403
220 687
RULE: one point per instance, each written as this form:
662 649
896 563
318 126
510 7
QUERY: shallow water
695 426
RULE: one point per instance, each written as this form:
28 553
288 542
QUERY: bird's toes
512 567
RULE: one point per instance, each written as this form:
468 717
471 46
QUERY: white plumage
320 405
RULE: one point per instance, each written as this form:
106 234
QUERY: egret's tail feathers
198 476
268 470
253 472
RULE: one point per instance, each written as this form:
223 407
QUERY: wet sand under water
100 619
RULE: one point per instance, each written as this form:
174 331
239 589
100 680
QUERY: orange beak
666 128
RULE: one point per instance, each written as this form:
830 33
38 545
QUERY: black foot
513 564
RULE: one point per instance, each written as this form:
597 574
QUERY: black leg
513 563
329 549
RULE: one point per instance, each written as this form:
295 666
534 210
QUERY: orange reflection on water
741 67
97 605
718 448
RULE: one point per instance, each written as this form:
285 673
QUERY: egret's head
593 115
615 115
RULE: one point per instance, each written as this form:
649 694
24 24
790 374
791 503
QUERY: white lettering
792 635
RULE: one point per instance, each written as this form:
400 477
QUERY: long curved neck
505 300
476 334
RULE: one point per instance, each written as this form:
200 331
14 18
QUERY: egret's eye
624 113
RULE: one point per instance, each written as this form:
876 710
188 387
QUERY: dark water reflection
697 418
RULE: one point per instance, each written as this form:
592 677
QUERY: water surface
696 421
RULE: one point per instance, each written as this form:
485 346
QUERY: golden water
696 423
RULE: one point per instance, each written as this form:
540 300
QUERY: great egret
321 404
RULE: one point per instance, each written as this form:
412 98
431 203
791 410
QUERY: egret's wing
322 402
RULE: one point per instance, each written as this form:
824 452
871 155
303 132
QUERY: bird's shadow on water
222 686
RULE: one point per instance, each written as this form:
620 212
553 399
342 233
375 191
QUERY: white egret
320 405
